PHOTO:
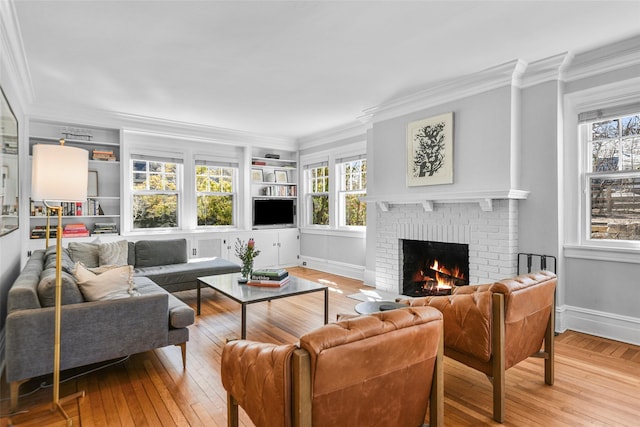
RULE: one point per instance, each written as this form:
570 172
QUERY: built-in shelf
483 198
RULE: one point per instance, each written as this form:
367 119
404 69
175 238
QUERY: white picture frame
92 184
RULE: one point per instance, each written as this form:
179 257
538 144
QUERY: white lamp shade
59 173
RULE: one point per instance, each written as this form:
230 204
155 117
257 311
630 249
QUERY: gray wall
481 149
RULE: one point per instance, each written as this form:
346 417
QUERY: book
269 274
269 283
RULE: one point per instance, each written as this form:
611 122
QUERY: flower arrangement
246 252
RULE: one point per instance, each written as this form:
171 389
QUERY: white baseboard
334 267
598 323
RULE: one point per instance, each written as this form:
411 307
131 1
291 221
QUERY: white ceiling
287 68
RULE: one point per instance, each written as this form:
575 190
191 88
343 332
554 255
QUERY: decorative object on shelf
246 252
256 175
281 176
272 156
92 184
270 177
59 173
430 151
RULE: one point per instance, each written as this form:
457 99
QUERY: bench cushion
187 272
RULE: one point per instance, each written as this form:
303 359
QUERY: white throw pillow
113 253
112 284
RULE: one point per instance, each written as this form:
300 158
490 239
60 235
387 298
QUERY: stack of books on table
269 277
75 230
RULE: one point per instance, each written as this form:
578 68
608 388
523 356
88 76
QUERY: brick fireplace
490 231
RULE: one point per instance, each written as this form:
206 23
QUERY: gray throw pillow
160 252
47 288
67 263
113 253
85 252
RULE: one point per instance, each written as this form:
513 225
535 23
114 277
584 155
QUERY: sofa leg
232 411
436 400
183 349
549 350
13 392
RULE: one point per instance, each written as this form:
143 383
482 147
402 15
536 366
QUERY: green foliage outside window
155 198
320 209
214 188
356 210
354 185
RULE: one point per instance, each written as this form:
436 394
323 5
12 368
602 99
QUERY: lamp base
57 406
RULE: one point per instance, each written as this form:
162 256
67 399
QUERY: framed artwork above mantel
430 151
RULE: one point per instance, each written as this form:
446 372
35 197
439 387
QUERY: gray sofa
95 331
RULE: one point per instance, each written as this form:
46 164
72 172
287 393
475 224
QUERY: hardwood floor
597 381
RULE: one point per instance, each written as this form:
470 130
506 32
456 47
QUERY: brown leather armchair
378 370
493 327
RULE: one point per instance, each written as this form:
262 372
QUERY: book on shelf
75 230
269 283
103 155
40 232
105 228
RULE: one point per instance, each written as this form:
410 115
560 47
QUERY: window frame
136 192
587 174
342 192
234 192
308 195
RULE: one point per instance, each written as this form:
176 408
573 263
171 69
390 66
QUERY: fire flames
444 280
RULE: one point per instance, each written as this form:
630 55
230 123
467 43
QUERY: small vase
245 272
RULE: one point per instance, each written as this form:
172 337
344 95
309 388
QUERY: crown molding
607 58
508 74
349 130
547 69
158 126
13 54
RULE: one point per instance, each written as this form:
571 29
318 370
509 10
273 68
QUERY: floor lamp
59 174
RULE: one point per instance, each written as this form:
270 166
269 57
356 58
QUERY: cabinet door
266 241
288 247
206 247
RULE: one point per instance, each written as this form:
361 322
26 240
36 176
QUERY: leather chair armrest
258 376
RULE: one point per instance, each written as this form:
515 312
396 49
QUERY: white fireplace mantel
483 198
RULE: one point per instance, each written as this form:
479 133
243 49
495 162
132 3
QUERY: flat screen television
274 212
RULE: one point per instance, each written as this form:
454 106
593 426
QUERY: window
154 185
612 177
215 193
317 177
353 187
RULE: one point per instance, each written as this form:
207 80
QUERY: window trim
572 191
342 193
234 193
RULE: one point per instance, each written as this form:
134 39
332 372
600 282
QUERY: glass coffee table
227 284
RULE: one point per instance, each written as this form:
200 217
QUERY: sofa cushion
50 259
131 253
47 288
113 253
187 272
160 252
180 314
85 252
114 283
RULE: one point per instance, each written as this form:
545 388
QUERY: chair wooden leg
549 349
436 400
183 350
301 377
498 356
232 411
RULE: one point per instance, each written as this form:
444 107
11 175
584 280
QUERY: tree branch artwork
430 151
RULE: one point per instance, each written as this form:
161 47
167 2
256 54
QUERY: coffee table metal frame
227 285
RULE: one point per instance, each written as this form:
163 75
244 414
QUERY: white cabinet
278 248
100 213
207 246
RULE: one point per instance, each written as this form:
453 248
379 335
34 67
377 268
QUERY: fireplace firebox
433 268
